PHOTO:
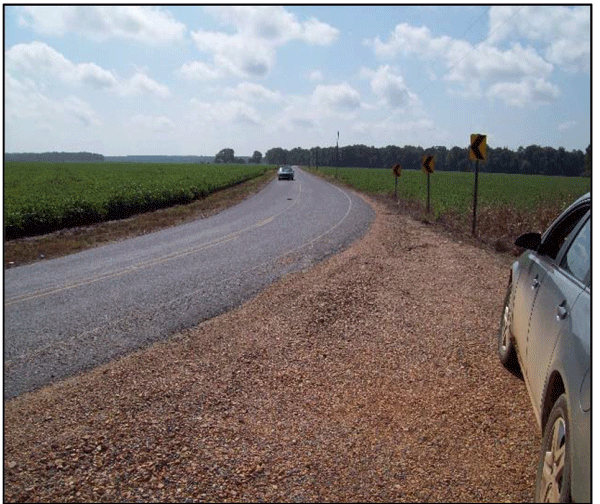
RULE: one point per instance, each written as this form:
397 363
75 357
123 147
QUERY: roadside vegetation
508 204
43 197
27 249
54 209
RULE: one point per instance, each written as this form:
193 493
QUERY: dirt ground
371 377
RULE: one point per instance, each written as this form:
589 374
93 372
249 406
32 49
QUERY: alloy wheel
554 463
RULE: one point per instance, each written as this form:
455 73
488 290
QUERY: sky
193 79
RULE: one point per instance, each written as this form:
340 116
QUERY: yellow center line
147 264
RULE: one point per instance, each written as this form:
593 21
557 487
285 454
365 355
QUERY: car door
533 268
530 275
561 285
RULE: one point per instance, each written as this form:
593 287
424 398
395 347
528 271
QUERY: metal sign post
428 193
428 165
477 152
397 171
475 197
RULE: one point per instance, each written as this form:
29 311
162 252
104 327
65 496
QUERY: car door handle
561 311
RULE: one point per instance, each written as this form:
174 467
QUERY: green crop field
507 205
453 191
40 197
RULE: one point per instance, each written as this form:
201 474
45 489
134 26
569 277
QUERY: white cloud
567 125
486 66
572 55
259 30
337 97
490 63
316 32
153 123
525 92
389 128
565 30
148 24
197 70
80 110
275 25
248 91
407 40
302 122
327 104
463 60
142 84
39 59
315 76
389 86
225 112
24 100
236 55
40 62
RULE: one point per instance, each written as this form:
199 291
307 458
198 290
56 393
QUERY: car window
558 234
577 259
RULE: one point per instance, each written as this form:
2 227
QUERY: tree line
228 156
525 160
55 157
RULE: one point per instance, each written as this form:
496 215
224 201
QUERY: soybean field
507 204
41 197
453 191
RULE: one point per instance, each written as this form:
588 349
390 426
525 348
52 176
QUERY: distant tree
533 159
276 156
587 161
225 156
55 157
256 157
298 156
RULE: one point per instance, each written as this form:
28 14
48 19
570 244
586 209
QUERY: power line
452 67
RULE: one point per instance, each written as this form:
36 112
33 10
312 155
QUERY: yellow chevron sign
477 150
397 169
428 164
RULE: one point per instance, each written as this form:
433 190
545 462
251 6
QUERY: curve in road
71 314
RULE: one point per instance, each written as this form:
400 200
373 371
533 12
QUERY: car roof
587 196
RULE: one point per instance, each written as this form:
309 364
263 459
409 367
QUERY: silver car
545 338
285 172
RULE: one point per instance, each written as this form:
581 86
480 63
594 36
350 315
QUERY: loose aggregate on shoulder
371 377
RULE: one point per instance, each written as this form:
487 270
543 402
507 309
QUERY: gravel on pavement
370 377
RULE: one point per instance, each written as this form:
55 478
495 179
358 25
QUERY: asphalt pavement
68 315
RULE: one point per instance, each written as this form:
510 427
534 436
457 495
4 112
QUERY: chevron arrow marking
475 147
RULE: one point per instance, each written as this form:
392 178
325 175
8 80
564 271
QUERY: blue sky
184 80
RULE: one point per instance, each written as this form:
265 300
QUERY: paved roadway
68 315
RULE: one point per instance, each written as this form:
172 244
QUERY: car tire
506 346
553 483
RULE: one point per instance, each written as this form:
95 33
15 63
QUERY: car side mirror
531 241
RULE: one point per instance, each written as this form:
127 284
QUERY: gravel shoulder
372 376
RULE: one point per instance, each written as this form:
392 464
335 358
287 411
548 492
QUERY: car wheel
506 346
554 468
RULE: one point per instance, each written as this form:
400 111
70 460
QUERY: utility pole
337 159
